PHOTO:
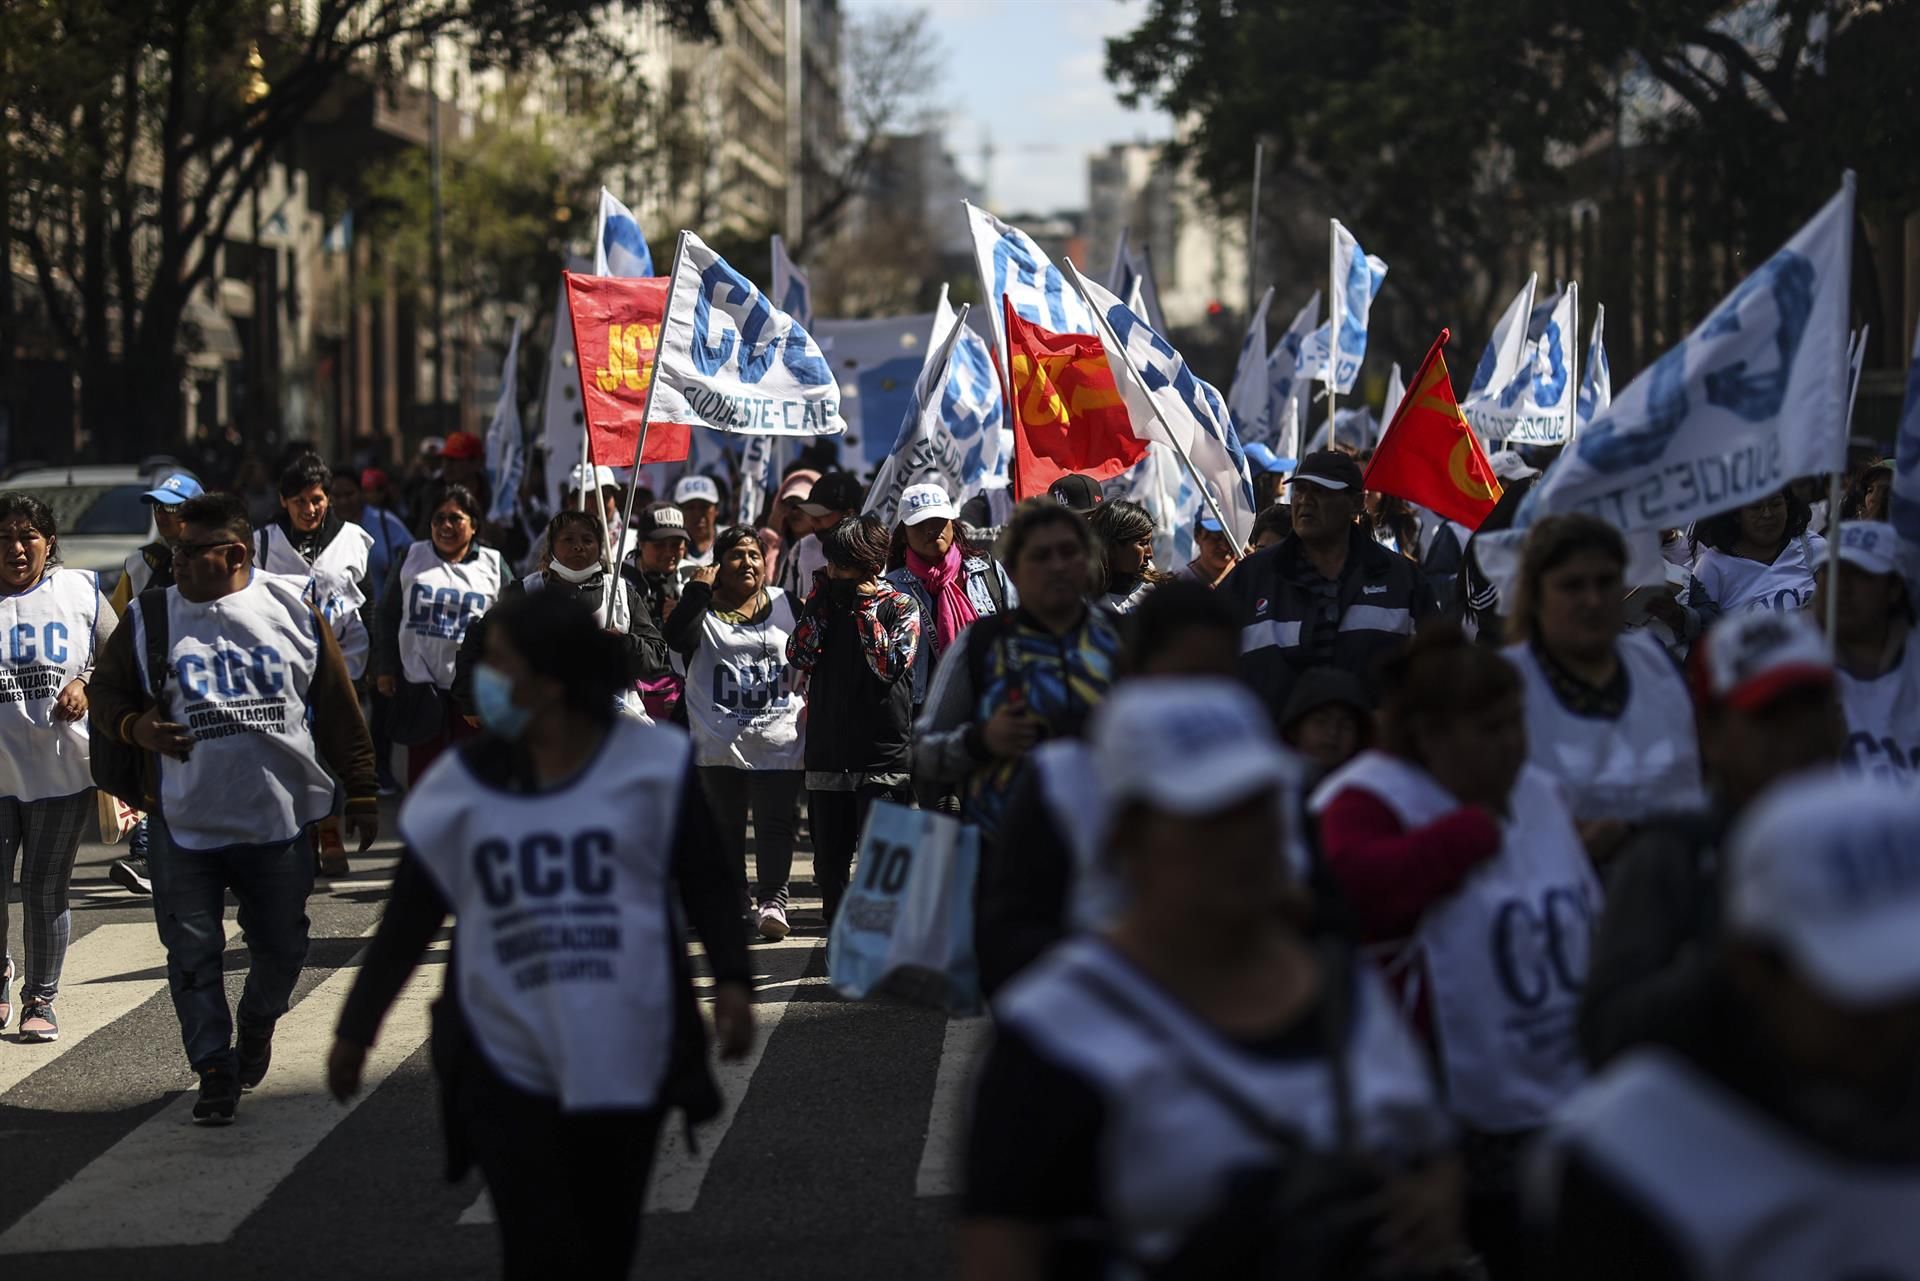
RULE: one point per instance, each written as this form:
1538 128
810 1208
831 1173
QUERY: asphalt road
832 1159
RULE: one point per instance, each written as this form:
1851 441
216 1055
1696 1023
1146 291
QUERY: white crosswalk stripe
170 1182
95 990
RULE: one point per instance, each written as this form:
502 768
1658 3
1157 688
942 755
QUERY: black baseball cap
1078 494
837 491
1330 469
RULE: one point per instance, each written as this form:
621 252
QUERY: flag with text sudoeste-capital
1753 398
741 364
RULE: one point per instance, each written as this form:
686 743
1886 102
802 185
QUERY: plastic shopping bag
906 924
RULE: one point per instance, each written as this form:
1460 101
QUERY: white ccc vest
565 943
740 704
613 613
1740 1196
336 574
238 673
1645 762
1171 1144
1883 718
438 599
1506 954
48 636
1739 586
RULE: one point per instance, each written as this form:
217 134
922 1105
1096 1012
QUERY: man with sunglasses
149 566
254 720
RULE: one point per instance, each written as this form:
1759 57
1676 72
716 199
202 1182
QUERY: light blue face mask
493 699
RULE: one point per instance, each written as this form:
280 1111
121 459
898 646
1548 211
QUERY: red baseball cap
463 445
1746 661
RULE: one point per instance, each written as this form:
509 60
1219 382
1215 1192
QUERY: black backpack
120 769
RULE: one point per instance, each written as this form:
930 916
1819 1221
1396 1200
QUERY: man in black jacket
1326 595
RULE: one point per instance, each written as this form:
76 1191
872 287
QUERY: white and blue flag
619 249
741 364
1166 402
1505 350
792 290
506 445
1753 398
1596 377
1013 266
1290 380
951 435
1247 394
1535 405
1356 280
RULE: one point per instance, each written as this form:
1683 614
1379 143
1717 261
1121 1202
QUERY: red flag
616 330
1428 455
1067 412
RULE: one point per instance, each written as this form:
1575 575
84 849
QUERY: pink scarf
946 582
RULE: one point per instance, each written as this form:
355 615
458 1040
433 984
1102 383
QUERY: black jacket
646 648
1292 619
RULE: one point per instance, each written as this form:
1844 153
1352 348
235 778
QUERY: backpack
120 769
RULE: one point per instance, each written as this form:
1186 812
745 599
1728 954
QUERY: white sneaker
773 922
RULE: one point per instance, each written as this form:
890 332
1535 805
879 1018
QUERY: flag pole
1253 233
1573 361
1856 360
1333 328
653 384
1113 343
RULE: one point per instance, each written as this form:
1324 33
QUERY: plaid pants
46 835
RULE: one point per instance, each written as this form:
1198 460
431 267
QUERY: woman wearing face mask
1123 539
560 1047
54 621
731 630
853 647
1467 877
1608 713
1759 556
436 591
572 556
1195 1090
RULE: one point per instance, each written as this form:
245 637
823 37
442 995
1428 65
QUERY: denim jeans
272 883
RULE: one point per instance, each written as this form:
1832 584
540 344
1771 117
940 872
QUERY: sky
1028 73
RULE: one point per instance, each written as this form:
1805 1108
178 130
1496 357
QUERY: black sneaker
131 874
256 1052
219 1092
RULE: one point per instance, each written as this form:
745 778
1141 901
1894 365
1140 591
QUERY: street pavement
833 1158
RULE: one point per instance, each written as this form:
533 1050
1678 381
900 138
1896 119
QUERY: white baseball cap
1509 466
1870 545
925 502
1826 866
1188 745
603 478
695 489
1748 660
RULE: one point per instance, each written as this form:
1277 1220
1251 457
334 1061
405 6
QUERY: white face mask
574 576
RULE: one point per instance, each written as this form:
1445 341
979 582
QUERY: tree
1444 133
135 130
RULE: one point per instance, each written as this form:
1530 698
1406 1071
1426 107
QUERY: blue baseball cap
173 491
1208 523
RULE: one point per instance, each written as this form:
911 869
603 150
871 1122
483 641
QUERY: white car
98 511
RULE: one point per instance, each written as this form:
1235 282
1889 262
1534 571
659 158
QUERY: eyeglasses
185 551
450 518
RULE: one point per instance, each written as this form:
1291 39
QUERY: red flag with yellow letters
1067 412
1429 455
616 333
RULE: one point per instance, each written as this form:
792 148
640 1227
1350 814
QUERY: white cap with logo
695 489
1826 866
603 478
1870 545
1187 745
925 502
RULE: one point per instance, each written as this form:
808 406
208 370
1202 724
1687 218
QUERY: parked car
98 510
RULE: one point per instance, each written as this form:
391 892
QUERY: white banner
1535 406
1753 398
506 453
1013 266
1596 377
1166 402
1506 349
741 364
952 436
1356 277
1247 394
